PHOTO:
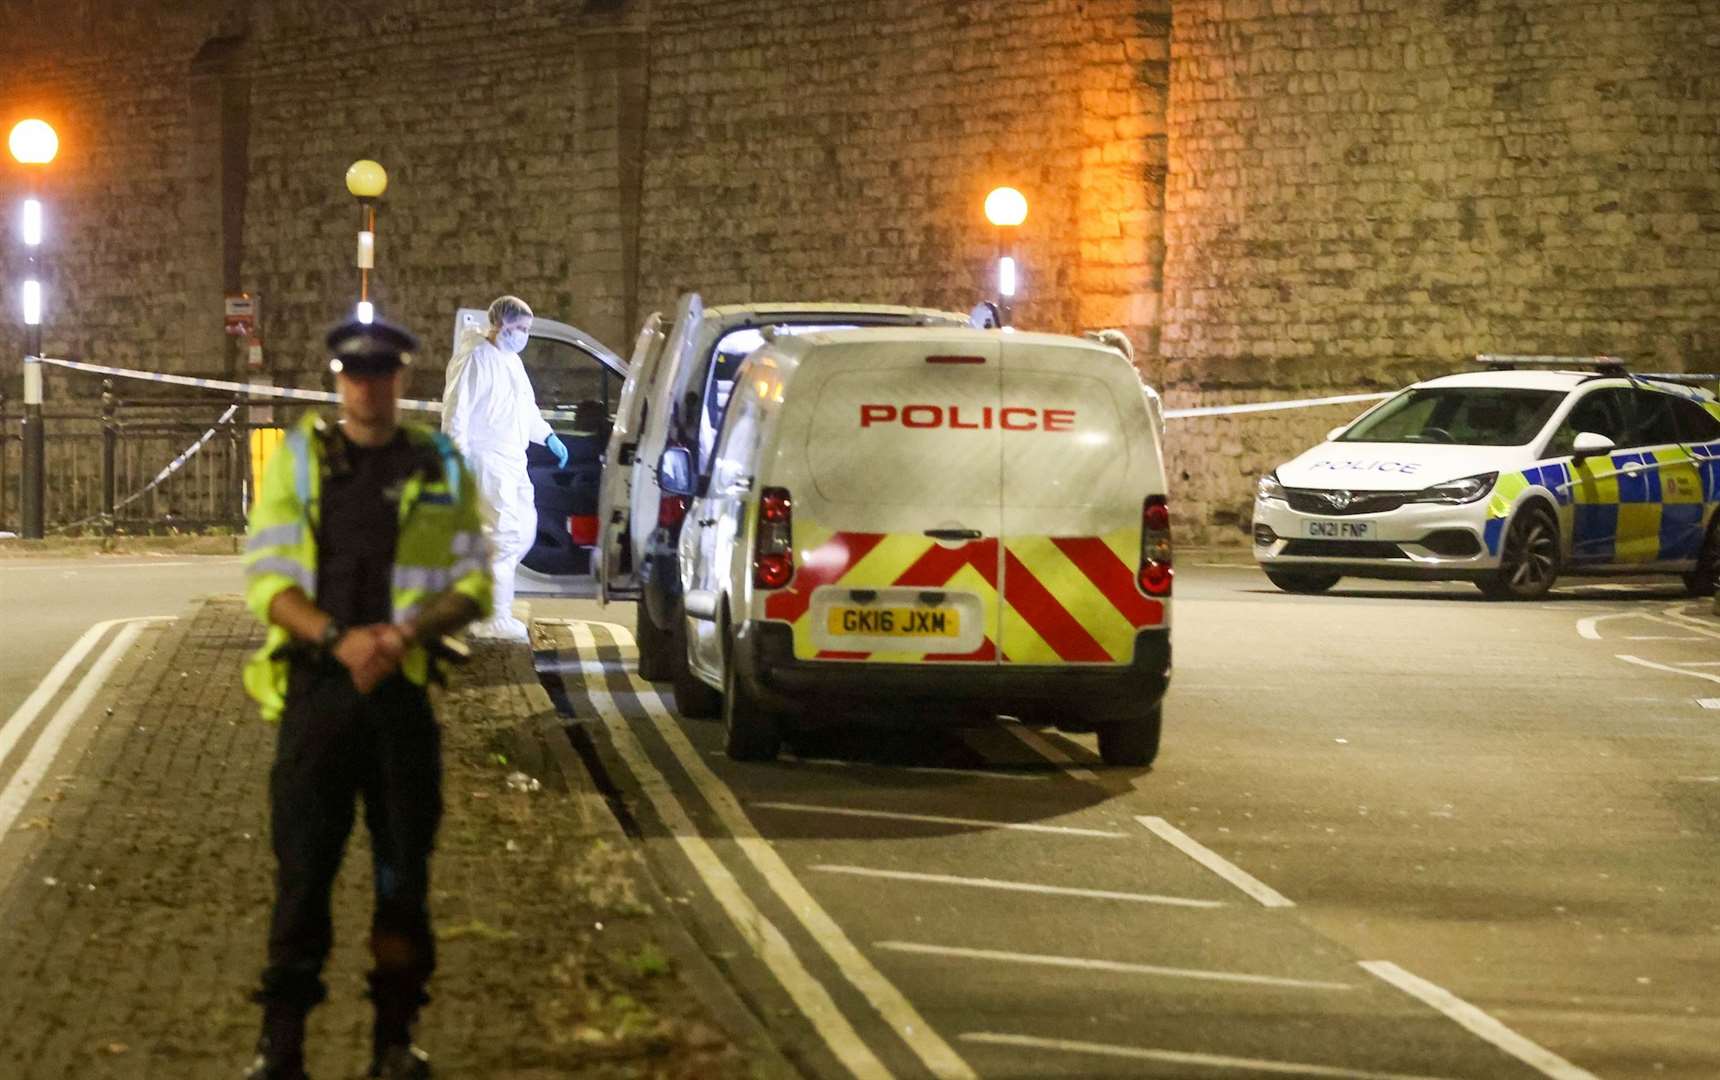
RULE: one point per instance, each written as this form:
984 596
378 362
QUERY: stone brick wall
1360 192
830 149
119 249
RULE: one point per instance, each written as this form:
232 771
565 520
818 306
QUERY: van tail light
671 511
1155 574
773 558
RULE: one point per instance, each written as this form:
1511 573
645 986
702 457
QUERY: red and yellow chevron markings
1065 599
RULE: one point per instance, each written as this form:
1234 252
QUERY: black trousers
336 746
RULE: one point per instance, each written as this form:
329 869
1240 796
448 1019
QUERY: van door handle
707 521
954 534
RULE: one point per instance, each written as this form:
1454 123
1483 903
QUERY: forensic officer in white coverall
490 412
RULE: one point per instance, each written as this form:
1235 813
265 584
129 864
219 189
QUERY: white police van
1506 477
954 523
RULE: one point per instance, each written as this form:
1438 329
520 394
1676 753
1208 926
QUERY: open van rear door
615 564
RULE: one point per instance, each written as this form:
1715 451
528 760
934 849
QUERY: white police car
1505 477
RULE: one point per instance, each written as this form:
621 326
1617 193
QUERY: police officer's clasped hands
371 653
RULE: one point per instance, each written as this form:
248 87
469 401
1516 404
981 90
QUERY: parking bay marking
1016 886
1180 1057
1640 662
1121 967
1051 752
1212 860
938 819
766 941
937 1055
1477 1022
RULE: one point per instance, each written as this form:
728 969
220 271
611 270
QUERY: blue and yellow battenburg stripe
1640 506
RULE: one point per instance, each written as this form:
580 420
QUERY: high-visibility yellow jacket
440 546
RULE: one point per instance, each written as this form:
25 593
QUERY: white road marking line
1117 966
1017 886
1640 662
35 766
1212 860
937 819
1699 663
1051 752
1588 628
1709 702
1181 1057
768 942
937 1055
24 715
1674 616
1477 1022
1661 637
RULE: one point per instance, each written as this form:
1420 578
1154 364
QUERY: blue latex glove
558 448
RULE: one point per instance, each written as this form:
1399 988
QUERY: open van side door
657 413
615 565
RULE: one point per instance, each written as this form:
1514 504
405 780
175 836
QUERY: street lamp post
1006 209
366 180
33 144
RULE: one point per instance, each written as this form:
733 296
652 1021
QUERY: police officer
364 549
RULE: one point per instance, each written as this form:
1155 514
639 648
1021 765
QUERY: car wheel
751 731
1133 740
1702 580
655 646
1302 581
692 697
1528 559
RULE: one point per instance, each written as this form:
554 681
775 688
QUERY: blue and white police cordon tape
254 389
323 396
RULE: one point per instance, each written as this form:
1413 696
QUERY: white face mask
513 340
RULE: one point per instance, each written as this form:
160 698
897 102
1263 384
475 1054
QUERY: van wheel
693 699
1131 741
1702 580
655 646
1302 581
751 731
1528 559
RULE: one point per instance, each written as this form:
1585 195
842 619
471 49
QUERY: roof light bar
1509 360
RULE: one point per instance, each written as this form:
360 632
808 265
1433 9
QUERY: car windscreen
1464 415
732 348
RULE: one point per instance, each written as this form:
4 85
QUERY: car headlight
1466 490
1269 487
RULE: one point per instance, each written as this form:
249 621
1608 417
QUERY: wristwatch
331 635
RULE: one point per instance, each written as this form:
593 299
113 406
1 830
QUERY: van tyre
1702 580
1302 581
1528 558
751 731
1133 740
693 699
656 647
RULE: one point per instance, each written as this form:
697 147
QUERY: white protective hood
487 399
1363 466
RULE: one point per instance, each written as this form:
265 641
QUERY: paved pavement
1458 839
134 890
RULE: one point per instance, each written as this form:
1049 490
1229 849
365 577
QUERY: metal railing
144 464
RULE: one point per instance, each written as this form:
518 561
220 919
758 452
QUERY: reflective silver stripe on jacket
433 579
464 567
289 568
288 535
467 542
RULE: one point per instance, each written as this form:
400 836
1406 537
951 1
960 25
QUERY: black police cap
369 348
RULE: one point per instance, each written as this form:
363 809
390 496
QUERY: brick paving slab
136 960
